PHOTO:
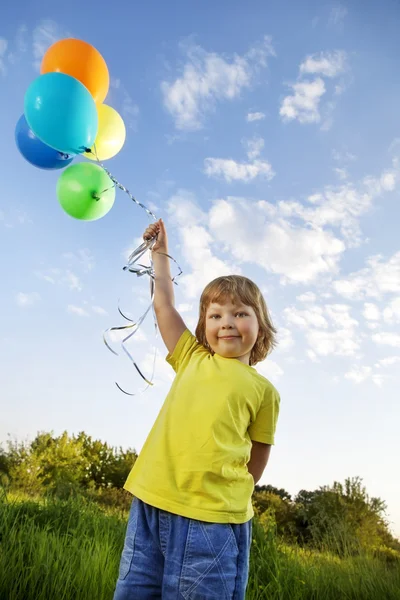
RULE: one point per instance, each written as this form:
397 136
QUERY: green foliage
65 465
341 517
71 548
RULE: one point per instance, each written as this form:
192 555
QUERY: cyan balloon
61 112
35 151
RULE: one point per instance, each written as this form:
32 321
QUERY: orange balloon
80 60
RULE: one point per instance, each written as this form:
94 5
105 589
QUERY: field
70 550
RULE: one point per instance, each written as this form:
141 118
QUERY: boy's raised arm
169 321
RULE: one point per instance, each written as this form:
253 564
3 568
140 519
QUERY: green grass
70 550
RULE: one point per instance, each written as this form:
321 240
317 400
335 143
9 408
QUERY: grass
70 550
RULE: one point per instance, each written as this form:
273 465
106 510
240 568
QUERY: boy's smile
231 329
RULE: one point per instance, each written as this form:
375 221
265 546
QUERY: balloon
61 112
35 151
80 60
81 191
110 135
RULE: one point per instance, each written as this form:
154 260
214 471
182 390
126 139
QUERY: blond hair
240 288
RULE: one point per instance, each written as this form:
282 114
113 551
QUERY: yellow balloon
110 134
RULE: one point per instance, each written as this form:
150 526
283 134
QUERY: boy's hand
157 230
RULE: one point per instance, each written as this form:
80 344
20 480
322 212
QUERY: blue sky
266 135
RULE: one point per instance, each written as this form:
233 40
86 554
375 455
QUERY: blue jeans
174 558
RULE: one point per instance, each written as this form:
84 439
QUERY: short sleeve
185 347
263 427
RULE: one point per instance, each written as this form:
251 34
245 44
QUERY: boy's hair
237 287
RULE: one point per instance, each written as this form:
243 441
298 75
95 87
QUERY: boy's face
231 329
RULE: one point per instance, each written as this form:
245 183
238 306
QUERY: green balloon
85 191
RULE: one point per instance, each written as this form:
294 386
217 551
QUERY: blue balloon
61 112
36 152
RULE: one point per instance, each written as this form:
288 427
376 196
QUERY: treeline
341 516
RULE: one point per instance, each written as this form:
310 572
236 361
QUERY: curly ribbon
133 266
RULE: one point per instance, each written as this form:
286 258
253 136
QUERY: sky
267 136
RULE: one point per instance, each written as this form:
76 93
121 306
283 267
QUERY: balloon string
118 184
138 269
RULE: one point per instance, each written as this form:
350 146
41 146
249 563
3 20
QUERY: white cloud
232 170
388 362
391 313
373 281
195 245
343 156
341 342
72 281
253 147
255 116
358 374
77 310
387 338
341 173
285 339
305 319
252 232
388 181
340 206
307 297
270 369
24 300
327 64
371 312
208 78
163 374
184 307
328 329
303 105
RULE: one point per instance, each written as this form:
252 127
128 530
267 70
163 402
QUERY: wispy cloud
27 299
378 278
387 338
231 170
207 78
326 64
63 277
46 33
304 104
251 117
77 310
82 258
337 15
3 50
253 147
196 244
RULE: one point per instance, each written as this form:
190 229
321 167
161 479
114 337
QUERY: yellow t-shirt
194 461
